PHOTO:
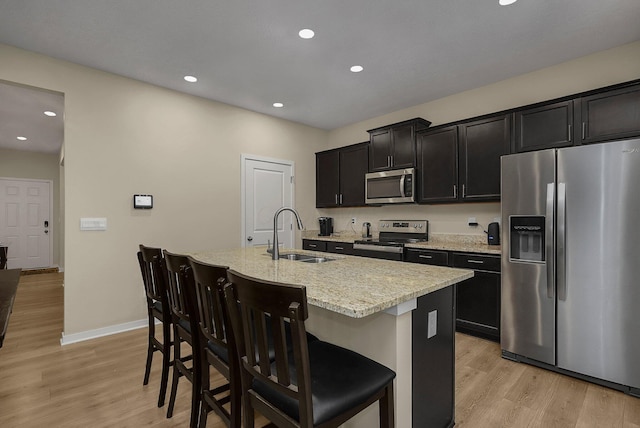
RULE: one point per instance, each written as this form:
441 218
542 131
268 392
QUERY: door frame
247 157
51 222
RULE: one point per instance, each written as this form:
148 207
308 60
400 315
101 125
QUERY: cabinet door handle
388 161
422 256
336 199
339 248
478 262
340 198
313 245
584 129
455 191
391 161
569 132
463 191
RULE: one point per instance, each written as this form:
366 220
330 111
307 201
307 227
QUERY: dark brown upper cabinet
340 176
394 146
481 143
544 127
437 165
610 115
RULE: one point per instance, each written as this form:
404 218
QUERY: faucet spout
275 253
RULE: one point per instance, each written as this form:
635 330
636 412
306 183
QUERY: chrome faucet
275 253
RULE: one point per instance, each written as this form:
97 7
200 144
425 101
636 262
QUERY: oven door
390 187
378 251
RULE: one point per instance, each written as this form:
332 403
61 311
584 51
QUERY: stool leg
386 408
147 370
166 362
176 373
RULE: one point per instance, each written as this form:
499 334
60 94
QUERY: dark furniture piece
184 318
437 164
218 346
155 285
478 298
9 279
340 176
341 382
545 126
481 143
461 163
610 115
3 257
394 146
314 245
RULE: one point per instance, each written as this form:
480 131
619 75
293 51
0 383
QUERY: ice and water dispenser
526 239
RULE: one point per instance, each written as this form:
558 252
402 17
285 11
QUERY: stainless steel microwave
390 187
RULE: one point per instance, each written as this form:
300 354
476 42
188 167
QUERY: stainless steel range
394 234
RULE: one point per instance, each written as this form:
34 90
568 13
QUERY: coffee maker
326 226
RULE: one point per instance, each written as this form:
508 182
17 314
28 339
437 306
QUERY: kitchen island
399 314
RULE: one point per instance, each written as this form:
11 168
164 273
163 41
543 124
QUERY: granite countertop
349 285
437 241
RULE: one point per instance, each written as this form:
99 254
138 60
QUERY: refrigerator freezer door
528 292
598 274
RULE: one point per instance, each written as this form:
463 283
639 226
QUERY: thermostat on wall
143 202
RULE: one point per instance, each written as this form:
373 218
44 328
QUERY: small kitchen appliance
366 230
394 234
493 234
326 226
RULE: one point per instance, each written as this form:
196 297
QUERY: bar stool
154 280
218 346
315 384
184 317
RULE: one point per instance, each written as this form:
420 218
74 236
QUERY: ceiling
248 53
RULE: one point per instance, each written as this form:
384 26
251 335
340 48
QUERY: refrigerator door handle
561 261
549 239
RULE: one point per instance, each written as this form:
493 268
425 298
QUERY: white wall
124 137
604 68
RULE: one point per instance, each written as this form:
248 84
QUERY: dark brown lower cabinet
478 298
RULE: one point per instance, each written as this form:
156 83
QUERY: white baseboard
104 331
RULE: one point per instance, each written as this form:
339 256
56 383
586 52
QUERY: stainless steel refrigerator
571 261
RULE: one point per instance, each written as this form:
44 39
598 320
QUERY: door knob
250 238
46 231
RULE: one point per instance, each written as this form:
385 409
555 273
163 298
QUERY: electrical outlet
472 221
353 220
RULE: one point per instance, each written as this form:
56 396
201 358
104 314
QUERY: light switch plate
93 223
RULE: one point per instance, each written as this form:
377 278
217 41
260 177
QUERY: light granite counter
399 314
349 285
437 241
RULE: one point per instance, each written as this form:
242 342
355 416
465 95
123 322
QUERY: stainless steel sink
304 258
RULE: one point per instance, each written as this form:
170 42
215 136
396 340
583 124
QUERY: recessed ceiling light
357 68
306 33
278 105
191 79
506 2
50 113
22 138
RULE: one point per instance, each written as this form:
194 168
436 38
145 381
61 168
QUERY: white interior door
25 226
267 186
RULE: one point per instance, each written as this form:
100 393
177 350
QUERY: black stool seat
341 379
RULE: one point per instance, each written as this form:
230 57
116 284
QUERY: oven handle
380 248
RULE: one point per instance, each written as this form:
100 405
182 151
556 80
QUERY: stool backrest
181 293
153 273
252 305
212 309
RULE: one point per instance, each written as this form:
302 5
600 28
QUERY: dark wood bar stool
154 280
184 318
315 384
218 350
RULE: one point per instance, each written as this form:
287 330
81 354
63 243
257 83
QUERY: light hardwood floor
98 383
